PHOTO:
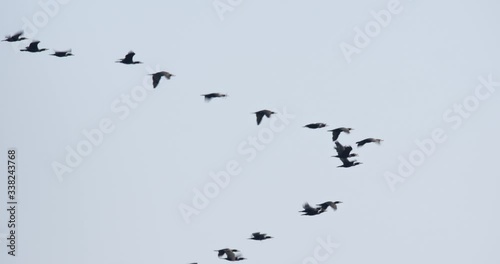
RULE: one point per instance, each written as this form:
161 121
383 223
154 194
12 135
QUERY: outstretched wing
339 148
17 35
335 134
156 80
207 97
230 254
259 117
347 150
34 45
307 207
129 56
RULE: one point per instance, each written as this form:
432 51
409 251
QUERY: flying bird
230 254
309 210
157 76
221 252
209 96
336 132
331 204
260 236
260 114
343 151
62 53
369 140
33 47
128 59
15 37
347 163
316 125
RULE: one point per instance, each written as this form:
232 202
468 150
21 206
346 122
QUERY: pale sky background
120 205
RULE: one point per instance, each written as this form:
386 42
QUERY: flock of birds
344 152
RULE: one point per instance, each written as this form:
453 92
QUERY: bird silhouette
128 59
347 163
336 132
260 236
209 96
230 254
15 37
157 76
309 210
343 151
316 125
221 252
33 47
260 114
62 53
369 140
331 204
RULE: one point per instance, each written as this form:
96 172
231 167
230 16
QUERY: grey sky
121 203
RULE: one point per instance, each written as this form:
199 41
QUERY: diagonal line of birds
344 152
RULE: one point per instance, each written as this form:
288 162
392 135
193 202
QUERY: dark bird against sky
62 53
260 236
128 59
260 114
15 37
343 151
309 210
157 76
369 140
347 163
331 204
336 132
316 125
209 96
230 254
33 47
221 252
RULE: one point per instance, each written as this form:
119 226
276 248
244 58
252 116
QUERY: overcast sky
421 75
